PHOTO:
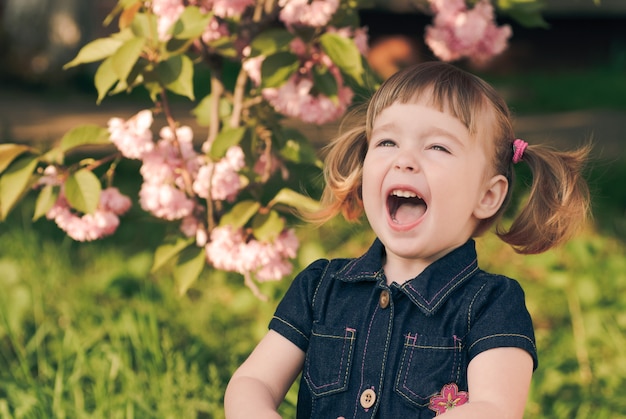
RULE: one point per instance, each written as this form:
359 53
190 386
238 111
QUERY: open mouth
405 207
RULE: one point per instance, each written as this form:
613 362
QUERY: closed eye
438 147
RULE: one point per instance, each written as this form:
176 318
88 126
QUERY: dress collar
431 288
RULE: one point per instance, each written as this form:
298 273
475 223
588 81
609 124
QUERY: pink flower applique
449 398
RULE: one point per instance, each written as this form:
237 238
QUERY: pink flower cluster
297 97
167 12
230 250
315 13
132 138
460 32
221 9
163 190
88 227
172 170
221 179
175 176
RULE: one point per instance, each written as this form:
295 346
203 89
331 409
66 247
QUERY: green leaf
95 51
9 152
121 5
105 78
45 200
298 148
325 82
277 68
266 227
344 53
144 25
125 58
240 214
176 74
227 138
15 182
82 190
191 23
225 46
188 267
171 247
84 135
270 42
294 199
525 12
202 112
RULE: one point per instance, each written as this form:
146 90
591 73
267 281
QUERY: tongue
409 212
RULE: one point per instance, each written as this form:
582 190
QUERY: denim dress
390 351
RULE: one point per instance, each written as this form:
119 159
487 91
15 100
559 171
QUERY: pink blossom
133 137
50 177
252 67
315 13
272 257
214 31
229 250
295 99
165 201
458 32
167 12
166 171
261 169
231 8
287 244
168 160
112 200
224 248
300 48
87 227
191 226
223 8
222 176
274 270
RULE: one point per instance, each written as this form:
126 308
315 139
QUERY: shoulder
490 285
498 316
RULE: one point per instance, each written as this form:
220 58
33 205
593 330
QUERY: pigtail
558 202
342 174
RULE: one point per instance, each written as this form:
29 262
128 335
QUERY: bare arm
498 381
259 385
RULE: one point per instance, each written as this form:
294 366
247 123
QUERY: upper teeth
403 193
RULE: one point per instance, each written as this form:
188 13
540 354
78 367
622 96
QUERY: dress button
368 398
384 299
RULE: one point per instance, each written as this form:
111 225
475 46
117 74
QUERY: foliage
227 195
84 334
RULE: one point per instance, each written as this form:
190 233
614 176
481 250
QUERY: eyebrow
437 131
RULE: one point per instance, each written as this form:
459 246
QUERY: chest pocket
427 363
329 359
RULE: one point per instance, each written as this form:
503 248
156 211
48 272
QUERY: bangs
444 87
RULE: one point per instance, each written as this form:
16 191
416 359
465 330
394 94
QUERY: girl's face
426 185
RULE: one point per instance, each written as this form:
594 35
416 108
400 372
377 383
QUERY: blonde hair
558 201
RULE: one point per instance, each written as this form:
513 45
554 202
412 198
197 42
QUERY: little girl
414 328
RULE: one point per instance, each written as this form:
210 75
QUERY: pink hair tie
519 146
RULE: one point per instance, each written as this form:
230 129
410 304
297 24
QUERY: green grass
87 332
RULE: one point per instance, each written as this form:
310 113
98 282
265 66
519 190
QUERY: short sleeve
499 318
294 315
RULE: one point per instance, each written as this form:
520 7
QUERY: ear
493 195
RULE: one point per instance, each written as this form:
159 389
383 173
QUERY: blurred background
86 330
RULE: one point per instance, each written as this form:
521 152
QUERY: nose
405 162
